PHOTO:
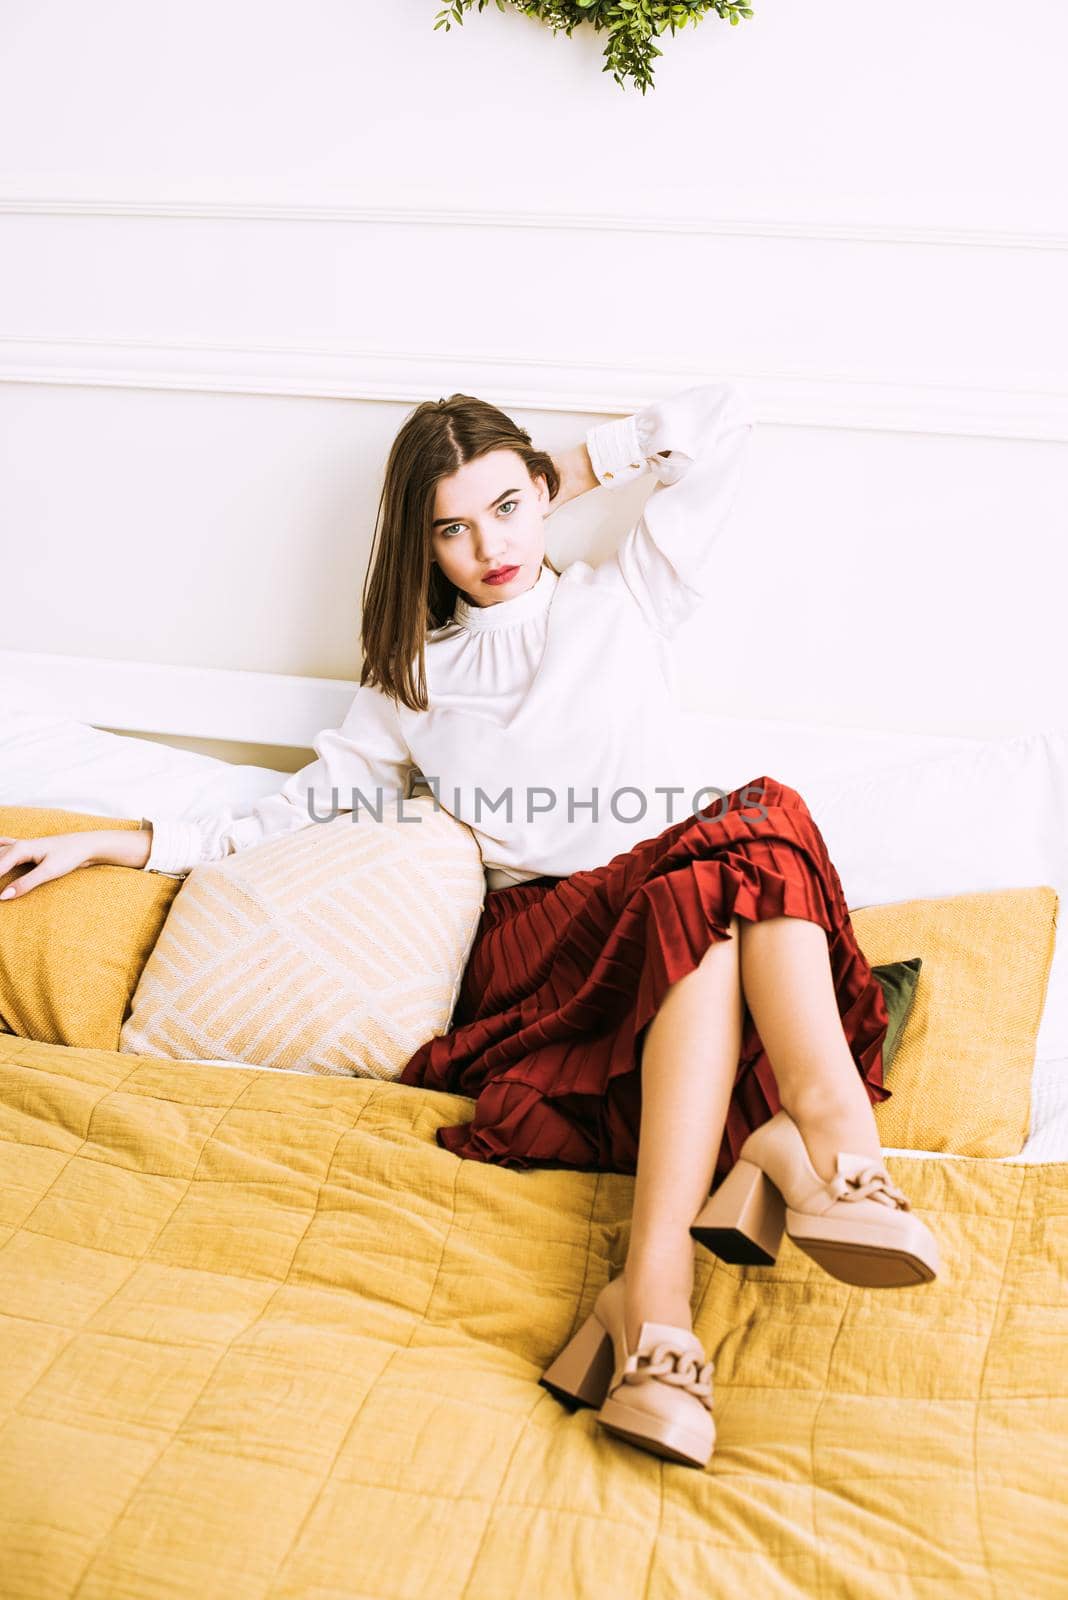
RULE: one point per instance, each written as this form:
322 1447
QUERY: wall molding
416 215
305 371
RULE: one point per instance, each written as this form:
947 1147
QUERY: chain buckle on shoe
677 1367
871 1182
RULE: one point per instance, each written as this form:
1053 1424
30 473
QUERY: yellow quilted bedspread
261 1339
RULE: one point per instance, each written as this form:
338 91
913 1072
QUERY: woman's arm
366 756
59 853
576 473
364 763
695 442
121 847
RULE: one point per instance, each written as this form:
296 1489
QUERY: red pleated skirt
565 974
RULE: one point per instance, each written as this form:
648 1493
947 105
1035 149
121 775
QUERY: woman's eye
447 532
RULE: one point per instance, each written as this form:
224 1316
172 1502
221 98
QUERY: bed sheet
262 1339
1047 1138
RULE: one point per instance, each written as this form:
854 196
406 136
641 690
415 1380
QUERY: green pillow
898 980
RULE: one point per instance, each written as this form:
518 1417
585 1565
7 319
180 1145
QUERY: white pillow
991 817
48 759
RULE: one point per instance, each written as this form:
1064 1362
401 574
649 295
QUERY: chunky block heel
658 1396
583 1370
743 1221
858 1226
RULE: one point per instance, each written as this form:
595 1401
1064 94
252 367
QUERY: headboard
192 703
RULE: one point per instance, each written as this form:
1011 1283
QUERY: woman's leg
781 965
689 1063
787 983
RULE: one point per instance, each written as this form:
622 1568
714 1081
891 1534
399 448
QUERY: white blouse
553 730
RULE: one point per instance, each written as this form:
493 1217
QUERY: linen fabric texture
334 952
72 951
260 1336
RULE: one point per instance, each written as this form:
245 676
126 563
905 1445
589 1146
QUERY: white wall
239 243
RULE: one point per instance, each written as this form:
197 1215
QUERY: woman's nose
489 545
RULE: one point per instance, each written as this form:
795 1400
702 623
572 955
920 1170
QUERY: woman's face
488 515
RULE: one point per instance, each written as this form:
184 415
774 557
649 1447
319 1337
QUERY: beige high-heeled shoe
858 1226
658 1396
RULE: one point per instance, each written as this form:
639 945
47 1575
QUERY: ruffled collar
503 613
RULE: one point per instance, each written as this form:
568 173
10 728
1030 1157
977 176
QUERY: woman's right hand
60 853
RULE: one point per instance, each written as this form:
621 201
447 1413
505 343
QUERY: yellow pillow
338 949
71 951
961 1078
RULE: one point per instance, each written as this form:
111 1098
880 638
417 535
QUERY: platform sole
662 1437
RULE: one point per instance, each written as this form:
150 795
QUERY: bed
262 1337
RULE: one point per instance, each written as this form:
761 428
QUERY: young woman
658 985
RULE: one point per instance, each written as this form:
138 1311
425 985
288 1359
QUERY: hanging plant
633 25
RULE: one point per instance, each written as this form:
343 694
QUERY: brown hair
405 594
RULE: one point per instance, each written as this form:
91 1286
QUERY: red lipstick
502 575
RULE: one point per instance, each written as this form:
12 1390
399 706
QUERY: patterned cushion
961 1077
72 951
338 949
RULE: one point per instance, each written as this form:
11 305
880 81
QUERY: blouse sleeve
367 753
666 560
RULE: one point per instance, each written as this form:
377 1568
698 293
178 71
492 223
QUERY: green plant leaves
632 25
